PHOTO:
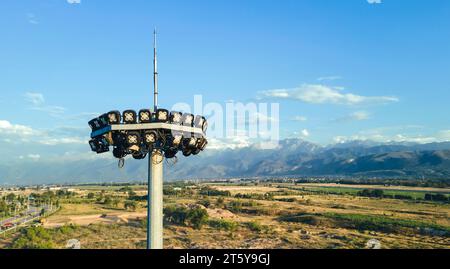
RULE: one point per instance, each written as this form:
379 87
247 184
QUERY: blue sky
344 70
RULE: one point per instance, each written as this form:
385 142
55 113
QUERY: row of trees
439 197
111 201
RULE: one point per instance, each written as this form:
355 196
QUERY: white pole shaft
155 233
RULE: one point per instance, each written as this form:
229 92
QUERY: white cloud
374 1
382 135
37 102
305 133
74 1
34 157
236 142
329 78
355 116
256 118
322 94
16 133
53 141
444 135
300 118
6 128
35 98
360 115
32 18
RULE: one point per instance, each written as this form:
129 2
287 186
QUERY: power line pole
155 178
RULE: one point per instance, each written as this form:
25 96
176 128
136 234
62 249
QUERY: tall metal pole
155 179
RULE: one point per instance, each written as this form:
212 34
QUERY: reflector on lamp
133 138
188 119
114 117
176 117
162 115
201 122
150 137
129 117
145 116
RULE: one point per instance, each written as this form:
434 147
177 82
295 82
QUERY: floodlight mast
155 178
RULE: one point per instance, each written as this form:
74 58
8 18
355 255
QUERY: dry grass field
259 216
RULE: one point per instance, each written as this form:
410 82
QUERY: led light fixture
201 143
189 143
176 139
119 152
133 138
201 122
188 119
129 117
176 117
114 117
99 145
170 153
139 155
145 116
95 124
150 137
162 115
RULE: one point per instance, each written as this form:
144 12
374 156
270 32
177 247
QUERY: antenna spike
155 72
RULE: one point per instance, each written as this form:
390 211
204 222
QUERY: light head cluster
137 134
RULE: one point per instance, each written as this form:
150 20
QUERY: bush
213 192
436 197
255 226
195 217
130 205
402 197
66 229
226 225
309 219
384 224
371 193
206 203
34 238
235 206
220 201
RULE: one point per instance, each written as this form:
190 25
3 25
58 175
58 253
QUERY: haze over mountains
292 157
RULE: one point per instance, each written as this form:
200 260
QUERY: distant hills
292 157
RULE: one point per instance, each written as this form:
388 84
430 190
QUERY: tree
107 201
206 203
34 238
11 197
220 201
3 206
197 217
91 195
115 202
130 205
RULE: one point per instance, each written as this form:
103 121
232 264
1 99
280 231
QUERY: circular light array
139 142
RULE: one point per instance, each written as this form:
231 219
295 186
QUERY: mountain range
293 157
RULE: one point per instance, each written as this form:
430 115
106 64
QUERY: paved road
28 215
